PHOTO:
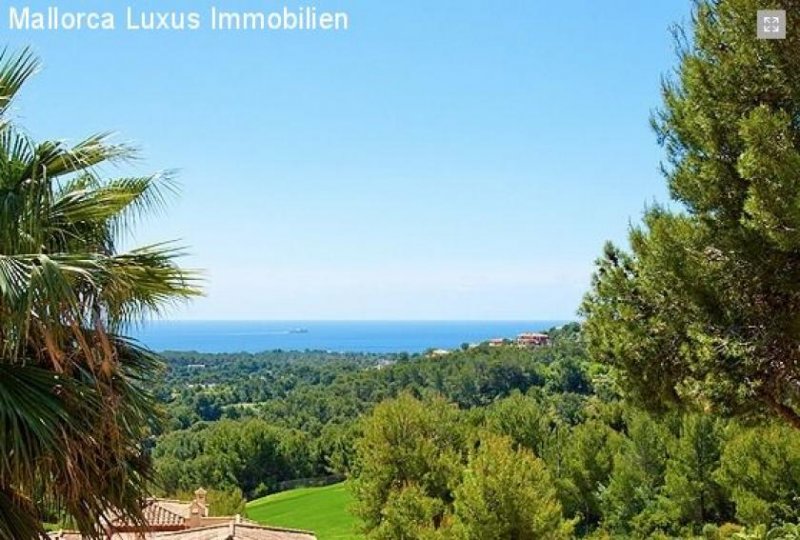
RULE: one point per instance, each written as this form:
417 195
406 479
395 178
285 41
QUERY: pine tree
588 463
407 443
507 494
692 493
705 308
630 502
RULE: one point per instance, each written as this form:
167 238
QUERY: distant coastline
337 336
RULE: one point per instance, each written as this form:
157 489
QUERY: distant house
438 353
497 342
180 520
532 339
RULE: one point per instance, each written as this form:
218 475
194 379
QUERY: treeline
202 386
308 390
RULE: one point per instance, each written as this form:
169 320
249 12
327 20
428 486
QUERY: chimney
200 496
198 509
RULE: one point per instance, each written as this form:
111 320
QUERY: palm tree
74 409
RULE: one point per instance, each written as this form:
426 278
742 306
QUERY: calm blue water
339 336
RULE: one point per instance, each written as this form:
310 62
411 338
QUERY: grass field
322 510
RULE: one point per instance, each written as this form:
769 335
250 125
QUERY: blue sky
440 160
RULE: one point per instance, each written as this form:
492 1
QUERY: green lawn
322 510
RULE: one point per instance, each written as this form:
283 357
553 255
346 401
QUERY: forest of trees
484 443
311 402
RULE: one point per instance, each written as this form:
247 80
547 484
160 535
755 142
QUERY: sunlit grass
323 510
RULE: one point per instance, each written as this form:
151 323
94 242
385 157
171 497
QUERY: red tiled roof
160 514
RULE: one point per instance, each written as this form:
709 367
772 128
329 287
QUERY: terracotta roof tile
159 513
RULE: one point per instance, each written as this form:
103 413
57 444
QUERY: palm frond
15 69
147 280
83 208
56 159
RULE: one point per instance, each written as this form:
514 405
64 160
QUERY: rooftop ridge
231 524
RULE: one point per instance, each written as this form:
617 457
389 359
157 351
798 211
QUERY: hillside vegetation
435 445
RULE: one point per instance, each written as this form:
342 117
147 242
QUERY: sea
336 336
